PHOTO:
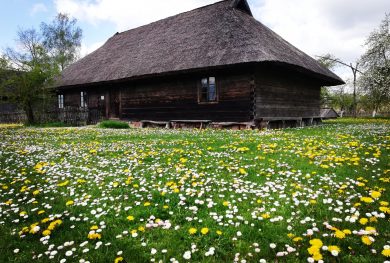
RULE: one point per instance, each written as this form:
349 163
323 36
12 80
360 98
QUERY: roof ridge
172 16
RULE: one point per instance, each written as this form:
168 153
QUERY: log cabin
215 64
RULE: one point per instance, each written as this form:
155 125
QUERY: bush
114 125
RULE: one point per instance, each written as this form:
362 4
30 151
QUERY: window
83 99
61 101
208 90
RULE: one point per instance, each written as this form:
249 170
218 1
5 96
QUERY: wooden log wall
176 98
282 93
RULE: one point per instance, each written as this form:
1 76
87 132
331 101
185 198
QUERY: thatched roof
224 33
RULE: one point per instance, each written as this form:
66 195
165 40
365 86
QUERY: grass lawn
150 195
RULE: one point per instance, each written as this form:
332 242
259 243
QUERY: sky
316 27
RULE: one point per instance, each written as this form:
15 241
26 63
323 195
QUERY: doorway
114 104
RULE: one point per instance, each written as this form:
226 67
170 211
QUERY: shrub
114 125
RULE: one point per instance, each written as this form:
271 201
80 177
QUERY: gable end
243 6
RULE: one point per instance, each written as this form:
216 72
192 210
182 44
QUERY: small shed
329 113
214 64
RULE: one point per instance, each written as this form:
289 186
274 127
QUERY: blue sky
26 14
316 27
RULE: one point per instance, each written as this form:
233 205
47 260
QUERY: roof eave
324 79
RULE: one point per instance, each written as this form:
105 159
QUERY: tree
28 71
62 39
376 62
328 61
31 67
331 60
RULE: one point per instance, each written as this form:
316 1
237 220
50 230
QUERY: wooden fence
69 115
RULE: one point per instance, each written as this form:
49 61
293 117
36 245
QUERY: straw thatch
224 33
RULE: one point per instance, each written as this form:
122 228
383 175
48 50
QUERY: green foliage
375 81
111 124
62 39
49 125
28 71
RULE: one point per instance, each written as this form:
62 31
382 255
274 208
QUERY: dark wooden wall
244 94
177 99
283 93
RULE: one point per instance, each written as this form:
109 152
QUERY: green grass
49 125
111 124
248 188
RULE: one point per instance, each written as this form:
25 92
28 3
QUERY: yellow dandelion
204 230
317 256
363 221
297 239
366 199
347 231
313 250
130 218
242 171
290 235
316 242
265 215
46 233
386 252
375 194
334 248
192 231
367 240
93 236
339 234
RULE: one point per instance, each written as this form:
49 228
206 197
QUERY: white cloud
87 49
324 26
126 14
38 8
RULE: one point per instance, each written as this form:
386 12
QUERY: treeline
370 80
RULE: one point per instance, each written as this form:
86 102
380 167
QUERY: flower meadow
317 194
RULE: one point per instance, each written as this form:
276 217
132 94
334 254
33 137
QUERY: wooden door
114 104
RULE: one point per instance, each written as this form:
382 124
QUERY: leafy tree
376 62
29 69
340 99
62 39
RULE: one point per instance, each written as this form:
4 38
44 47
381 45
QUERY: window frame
201 93
60 101
83 99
